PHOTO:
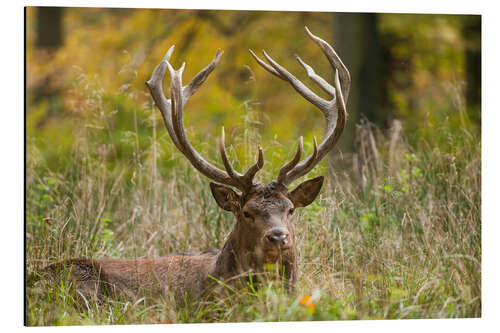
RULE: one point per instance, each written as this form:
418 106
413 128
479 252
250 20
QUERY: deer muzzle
278 237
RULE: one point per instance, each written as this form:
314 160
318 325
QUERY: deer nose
278 237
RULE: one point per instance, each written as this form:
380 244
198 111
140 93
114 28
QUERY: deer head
263 232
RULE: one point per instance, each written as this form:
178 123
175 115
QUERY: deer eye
290 211
247 214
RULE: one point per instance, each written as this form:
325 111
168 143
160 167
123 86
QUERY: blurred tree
49 38
358 38
49 27
472 35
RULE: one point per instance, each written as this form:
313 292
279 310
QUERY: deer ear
306 192
226 198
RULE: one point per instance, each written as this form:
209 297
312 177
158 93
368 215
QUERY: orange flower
307 302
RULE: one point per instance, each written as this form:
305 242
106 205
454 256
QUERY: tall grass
395 232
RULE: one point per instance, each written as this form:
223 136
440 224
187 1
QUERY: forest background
404 183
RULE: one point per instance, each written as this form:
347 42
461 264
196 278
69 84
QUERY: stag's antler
172 112
333 110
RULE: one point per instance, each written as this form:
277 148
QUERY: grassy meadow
394 234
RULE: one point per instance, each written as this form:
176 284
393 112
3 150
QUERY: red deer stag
263 232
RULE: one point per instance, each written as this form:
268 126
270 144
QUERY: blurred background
86 69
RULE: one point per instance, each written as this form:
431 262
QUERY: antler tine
333 110
172 113
247 178
292 163
297 84
266 66
155 87
335 62
229 167
177 119
245 181
200 78
327 87
311 159
332 135
342 112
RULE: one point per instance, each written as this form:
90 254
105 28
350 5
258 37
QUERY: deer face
264 213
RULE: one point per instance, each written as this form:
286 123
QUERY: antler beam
334 109
172 113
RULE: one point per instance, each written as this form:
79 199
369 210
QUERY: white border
12 165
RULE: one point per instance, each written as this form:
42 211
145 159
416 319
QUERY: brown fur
193 276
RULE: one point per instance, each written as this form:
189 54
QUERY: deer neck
237 258
234 258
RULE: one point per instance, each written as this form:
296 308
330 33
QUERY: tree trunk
357 40
49 27
472 35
